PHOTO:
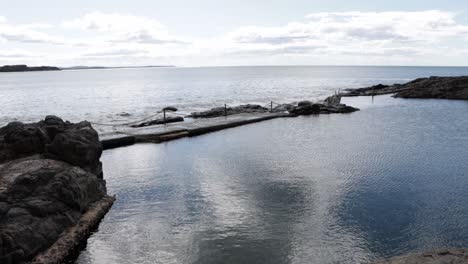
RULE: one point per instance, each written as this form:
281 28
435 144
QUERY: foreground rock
433 87
455 256
50 174
25 68
222 111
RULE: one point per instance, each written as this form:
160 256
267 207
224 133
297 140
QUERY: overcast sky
233 32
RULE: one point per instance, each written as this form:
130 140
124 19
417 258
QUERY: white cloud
364 33
372 36
124 28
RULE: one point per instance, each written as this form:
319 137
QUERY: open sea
346 188
102 95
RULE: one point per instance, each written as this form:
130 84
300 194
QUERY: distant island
117 67
26 68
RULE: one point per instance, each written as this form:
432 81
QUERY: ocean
101 96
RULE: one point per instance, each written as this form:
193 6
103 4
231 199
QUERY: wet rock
170 108
306 108
433 87
304 103
221 111
160 121
309 108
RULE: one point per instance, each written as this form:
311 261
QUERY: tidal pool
384 181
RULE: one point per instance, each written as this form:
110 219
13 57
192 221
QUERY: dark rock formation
50 174
25 68
379 89
436 87
221 111
433 87
309 108
305 108
77 144
160 121
455 256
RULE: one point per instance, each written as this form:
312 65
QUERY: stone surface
39 199
50 174
440 256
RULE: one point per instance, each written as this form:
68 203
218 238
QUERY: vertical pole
164 116
271 106
225 110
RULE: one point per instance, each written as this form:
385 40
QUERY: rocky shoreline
455 88
50 181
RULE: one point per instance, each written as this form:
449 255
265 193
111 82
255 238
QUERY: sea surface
101 96
345 188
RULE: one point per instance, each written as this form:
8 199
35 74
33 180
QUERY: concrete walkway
188 128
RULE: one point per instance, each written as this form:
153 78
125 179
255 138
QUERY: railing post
225 110
164 116
271 106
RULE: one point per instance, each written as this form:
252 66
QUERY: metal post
271 106
164 116
225 110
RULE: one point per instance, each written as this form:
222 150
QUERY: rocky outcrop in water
331 105
222 111
25 68
441 256
50 174
160 121
433 87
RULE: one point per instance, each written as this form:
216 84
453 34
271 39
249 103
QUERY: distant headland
116 67
26 68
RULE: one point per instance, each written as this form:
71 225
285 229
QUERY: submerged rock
50 174
221 111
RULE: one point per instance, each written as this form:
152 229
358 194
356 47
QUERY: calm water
100 95
387 180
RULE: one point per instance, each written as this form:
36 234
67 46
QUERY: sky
234 32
